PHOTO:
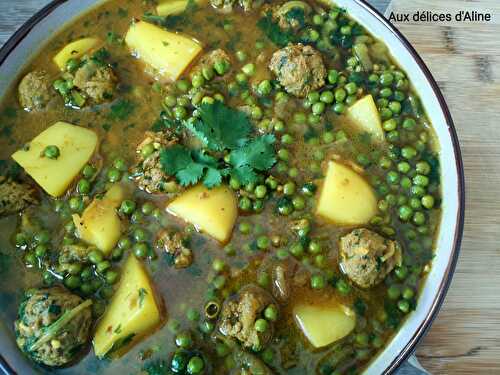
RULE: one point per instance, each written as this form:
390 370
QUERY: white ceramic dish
29 39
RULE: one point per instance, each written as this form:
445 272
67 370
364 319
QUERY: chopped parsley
121 110
142 295
273 32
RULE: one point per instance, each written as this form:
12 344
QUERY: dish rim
439 298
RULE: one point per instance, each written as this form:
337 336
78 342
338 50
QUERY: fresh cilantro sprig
222 130
220 127
273 31
190 166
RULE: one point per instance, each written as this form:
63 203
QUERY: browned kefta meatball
174 244
367 258
149 174
15 196
35 91
239 316
299 69
96 81
53 324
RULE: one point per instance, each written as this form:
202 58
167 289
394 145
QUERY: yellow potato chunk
365 117
75 50
324 324
211 211
168 53
132 313
169 7
346 198
76 146
99 224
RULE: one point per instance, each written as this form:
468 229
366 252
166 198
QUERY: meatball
53 325
95 80
35 91
15 196
174 244
299 69
367 258
240 313
148 173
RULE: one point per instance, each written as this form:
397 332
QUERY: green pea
427 201
318 281
390 125
393 177
170 101
127 207
287 139
51 152
423 167
88 171
249 69
241 55
362 339
421 180
408 152
120 164
393 292
147 150
42 237
299 203
289 188
339 108
197 80
263 242
408 293
386 92
264 87
114 175
219 282
261 325
404 306
41 250
183 85
340 95
405 213
140 250
139 235
343 287
333 76
297 249
245 204
314 247
72 282
405 182
328 137
222 66
351 88
419 218
124 243
395 107
318 108
271 313
83 186
404 167
112 276
386 79
184 340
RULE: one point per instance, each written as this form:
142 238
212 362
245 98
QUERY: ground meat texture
72 253
35 91
37 315
95 80
15 196
148 173
239 314
299 69
174 244
367 258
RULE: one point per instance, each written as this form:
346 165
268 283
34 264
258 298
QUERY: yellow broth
189 288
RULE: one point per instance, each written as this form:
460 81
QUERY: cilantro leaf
257 155
273 32
221 127
121 109
189 167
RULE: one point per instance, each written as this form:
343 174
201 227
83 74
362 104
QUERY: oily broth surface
180 289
